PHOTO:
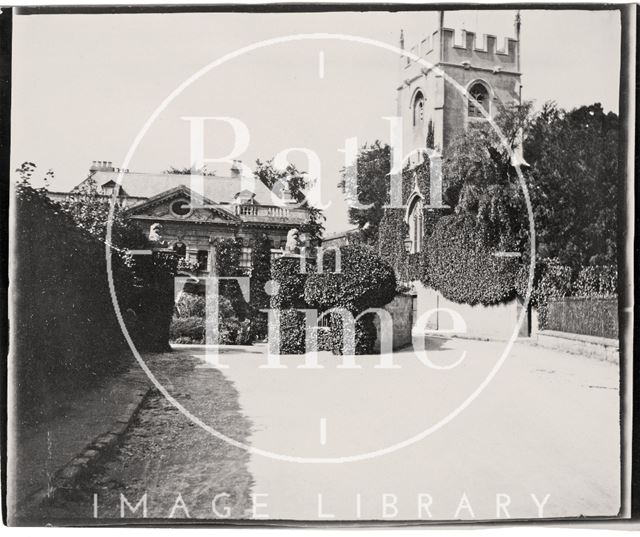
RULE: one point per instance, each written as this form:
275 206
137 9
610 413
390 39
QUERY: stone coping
595 340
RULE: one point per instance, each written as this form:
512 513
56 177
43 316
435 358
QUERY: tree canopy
373 167
298 184
573 183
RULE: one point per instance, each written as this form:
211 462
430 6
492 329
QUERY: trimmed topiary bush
260 275
291 281
291 337
365 281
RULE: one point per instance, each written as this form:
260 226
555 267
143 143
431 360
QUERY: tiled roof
217 189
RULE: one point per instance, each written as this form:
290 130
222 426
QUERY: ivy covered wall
453 259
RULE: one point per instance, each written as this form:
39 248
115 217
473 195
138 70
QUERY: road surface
540 440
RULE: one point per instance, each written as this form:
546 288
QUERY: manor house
227 207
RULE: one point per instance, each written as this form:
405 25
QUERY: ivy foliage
572 178
459 265
596 281
554 280
364 281
290 282
260 275
227 262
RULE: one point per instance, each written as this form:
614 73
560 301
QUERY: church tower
432 107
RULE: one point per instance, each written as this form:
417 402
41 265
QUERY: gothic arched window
480 93
415 220
418 109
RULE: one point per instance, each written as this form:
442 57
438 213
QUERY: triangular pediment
181 203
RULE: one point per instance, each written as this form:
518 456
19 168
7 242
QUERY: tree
298 185
573 181
92 213
373 168
481 180
260 275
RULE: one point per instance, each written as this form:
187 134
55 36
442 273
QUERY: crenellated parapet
488 51
465 49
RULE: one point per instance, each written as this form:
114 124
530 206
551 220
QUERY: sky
84 85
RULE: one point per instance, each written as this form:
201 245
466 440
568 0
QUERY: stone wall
591 346
485 322
401 310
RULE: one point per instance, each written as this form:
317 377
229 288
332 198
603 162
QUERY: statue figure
292 241
155 235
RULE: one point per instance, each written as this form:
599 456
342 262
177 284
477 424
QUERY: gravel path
180 467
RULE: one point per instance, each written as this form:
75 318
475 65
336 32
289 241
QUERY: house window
418 110
245 258
416 216
480 93
203 259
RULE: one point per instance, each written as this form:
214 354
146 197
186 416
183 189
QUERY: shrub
551 280
364 337
188 324
289 296
63 303
187 330
596 281
227 259
190 305
261 263
365 281
291 281
292 335
325 340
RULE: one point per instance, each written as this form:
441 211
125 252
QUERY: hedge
261 274
286 272
596 281
365 281
67 335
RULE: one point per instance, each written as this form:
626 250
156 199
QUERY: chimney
102 166
236 170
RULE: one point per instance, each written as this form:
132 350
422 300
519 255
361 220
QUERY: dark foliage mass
364 281
572 175
289 296
373 167
67 333
459 265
